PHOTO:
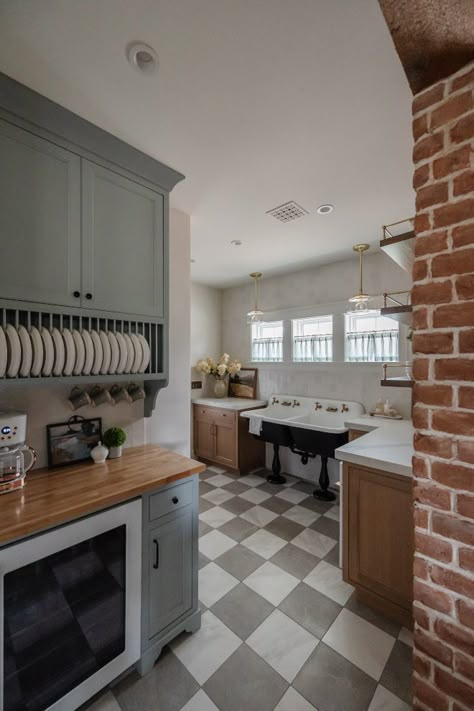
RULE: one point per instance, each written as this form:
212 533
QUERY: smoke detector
142 57
288 211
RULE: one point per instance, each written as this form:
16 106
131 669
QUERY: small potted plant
114 437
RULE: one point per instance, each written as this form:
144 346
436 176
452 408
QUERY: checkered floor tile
280 628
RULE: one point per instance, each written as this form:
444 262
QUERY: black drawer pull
156 564
175 499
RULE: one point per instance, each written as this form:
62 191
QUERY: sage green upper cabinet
122 243
40 219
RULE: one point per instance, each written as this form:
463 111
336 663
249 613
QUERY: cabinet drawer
203 413
224 417
170 500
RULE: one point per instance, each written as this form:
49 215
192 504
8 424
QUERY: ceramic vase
220 388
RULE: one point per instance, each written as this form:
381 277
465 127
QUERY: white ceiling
257 102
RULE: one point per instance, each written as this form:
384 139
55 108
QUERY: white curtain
372 346
312 348
267 349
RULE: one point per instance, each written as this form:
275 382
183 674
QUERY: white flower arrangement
219 369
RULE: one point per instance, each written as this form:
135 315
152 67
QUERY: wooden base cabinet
221 436
378 540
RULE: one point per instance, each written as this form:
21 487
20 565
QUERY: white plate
138 353
130 353
3 353
146 353
70 352
38 352
59 352
26 351
14 351
48 352
80 353
114 352
89 347
107 353
98 353
122 344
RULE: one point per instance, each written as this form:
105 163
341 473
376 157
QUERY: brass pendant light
256 314
361 300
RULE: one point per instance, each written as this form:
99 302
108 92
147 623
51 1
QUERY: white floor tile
259 516
200 702
216 516
219 480
215 543
216 469
406 636
283 644
218 496
255 495
271 582
301 515
333 513
252 480
314 542
327 579
292 701
214 583
264 543
363 644
203 652
105 702
292 495
384 700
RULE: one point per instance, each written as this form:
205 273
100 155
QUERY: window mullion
287 342
338 337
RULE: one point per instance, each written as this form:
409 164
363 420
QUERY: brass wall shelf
395 308
399 247
397 381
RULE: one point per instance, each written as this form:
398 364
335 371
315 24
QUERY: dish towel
255 425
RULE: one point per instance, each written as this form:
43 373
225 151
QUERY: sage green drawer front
171 499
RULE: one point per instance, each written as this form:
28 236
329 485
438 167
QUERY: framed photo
244 383
71 442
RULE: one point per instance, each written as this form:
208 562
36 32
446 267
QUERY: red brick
453 528
456 636
459 262
420 467
454 315
465 287
451 109
466 560
433 496
454 476
463 236
452 162
432 343
421 518
433 394
431 195
420 126
435 293
466 397
433 547
466 79
453 212
454 581
463 130
420 318
466 341
432 647
421 176
454 369
432 698
465 503
465 612
420 269
421 617
466 452
430 244
438 446
464 665
453 422
421 665
427 98
464 183
422 223
428 146
420 568
429 597
455 687
420 368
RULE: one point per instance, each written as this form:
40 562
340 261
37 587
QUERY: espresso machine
16 458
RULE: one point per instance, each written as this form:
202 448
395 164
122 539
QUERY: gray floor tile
333 556
372 616
271 488
311 609
205 488
284 528
205 505
203 560
259 688
331 683
204 528
295 561
168 686
238 505
315 505
236 487
276 504
238 529
327 526
396 676
307 486
242 610
240 562
207 474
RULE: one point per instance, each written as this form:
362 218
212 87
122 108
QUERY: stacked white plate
43 352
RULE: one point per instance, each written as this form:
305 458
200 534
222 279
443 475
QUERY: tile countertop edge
229 403
388 445
58 496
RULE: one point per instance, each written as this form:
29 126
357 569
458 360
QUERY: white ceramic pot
99 453
115 452
220 388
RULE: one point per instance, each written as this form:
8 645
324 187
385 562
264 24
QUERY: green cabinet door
40 219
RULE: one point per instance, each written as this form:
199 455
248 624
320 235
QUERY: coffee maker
16 458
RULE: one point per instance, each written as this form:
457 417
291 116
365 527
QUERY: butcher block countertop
55 496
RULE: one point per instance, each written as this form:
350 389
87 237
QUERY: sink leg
323 492
276 477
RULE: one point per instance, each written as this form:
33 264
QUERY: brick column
443 412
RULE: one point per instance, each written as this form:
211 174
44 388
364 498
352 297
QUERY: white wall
206 330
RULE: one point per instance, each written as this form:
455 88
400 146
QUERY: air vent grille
288 211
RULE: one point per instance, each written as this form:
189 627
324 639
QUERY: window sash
372 346
267 349
313 349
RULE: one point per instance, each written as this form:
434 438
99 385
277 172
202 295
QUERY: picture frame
71 442
244 384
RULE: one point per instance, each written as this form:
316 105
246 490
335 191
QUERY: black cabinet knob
89 296
76 294
175 499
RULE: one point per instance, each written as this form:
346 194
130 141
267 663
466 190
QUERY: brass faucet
318 406
275 401
344 408
295 403
331 409
286 403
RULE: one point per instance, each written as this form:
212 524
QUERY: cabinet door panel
123 257
170 563
40 219
204 439
225 444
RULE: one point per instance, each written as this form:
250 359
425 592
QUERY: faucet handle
318 406
344 408
275 401
295 403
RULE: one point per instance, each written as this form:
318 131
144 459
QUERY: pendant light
255 315
360 301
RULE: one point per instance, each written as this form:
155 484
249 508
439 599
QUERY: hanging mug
119 394
79 398
100 396
136 392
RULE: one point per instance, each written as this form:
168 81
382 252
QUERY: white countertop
230 403
388 445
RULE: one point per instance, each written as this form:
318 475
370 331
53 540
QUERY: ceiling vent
288 211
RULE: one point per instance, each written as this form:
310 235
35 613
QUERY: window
371 338
312 339
267 341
